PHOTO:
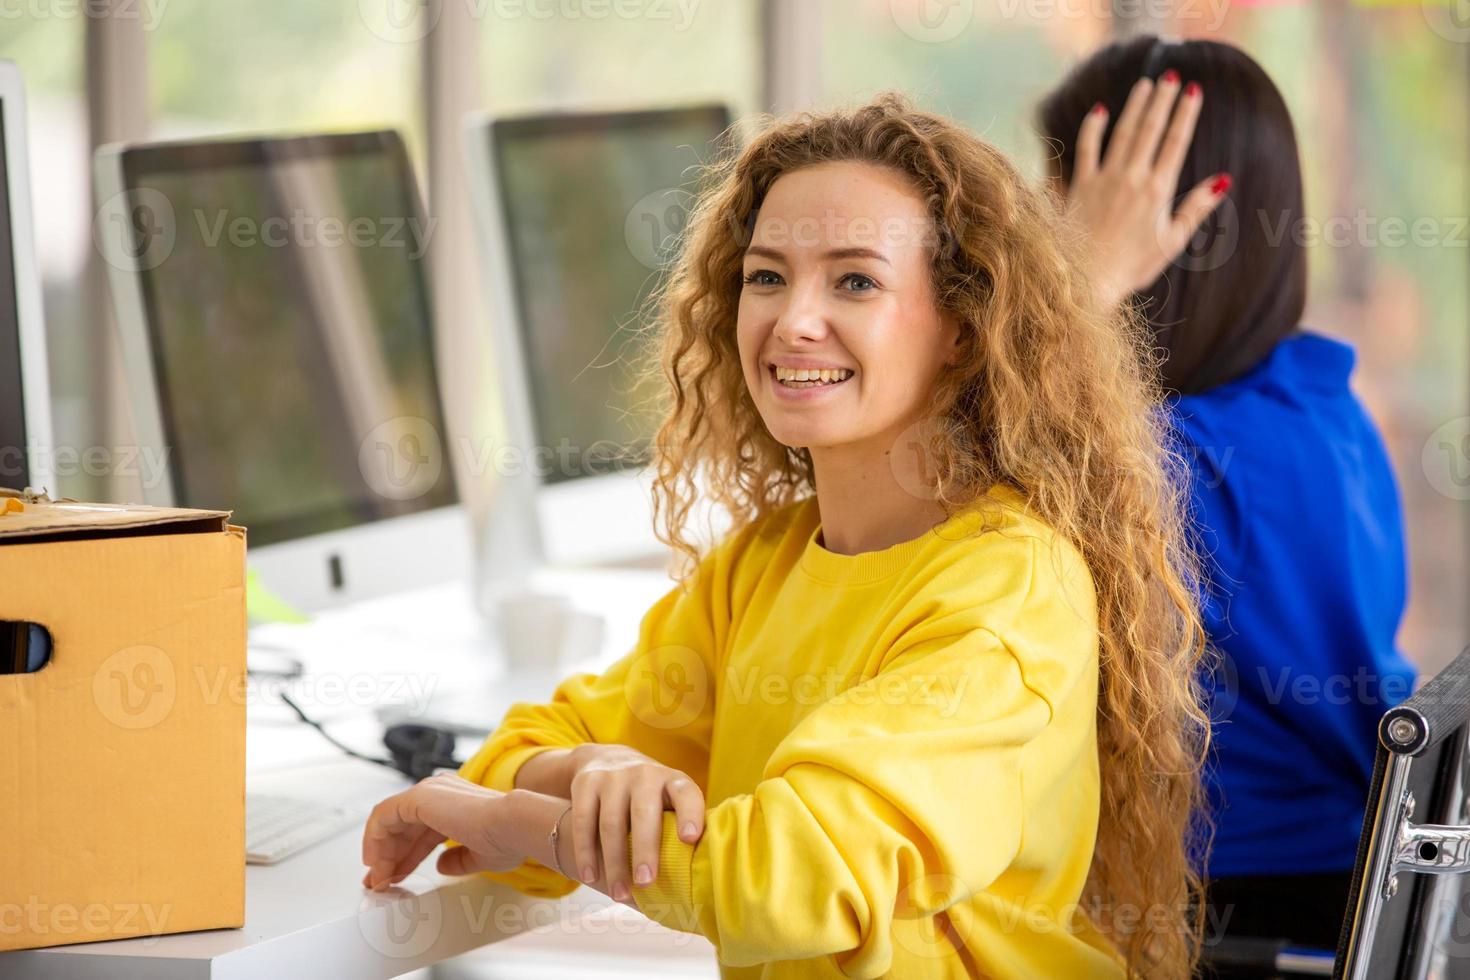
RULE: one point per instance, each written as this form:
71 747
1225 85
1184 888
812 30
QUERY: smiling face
840 338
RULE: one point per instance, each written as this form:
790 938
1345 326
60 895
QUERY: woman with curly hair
930 708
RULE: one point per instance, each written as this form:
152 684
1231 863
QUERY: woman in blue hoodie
1180 162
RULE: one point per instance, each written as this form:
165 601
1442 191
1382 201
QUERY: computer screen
591 205
283 286
14 472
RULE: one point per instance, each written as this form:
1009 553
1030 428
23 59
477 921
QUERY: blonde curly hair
1052 393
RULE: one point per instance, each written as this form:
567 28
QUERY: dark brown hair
1241 286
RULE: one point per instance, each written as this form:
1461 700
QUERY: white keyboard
276 827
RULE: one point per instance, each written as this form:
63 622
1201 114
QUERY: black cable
327 735
418 751
288 668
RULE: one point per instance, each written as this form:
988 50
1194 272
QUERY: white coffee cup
544 630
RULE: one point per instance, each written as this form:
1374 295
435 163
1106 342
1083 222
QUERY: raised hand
1125 200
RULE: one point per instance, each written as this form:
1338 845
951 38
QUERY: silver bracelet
555 836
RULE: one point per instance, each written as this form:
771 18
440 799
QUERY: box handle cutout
24 647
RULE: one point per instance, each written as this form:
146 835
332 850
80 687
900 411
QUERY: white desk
309 915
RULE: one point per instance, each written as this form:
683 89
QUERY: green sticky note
264 606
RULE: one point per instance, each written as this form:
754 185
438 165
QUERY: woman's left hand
1125 198
403 829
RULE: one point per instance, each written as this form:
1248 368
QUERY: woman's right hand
615 791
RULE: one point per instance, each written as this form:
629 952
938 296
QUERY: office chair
1408 914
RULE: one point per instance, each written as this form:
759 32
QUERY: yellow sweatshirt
897 749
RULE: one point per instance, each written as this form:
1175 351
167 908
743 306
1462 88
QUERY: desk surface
311 908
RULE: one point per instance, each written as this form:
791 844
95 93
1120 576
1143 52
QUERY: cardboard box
122 759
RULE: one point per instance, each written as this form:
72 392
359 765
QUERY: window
983 64
275 67
46 44
632 53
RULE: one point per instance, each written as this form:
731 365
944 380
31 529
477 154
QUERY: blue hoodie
1298 517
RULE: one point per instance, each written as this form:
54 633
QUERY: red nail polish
1098 109
1221 185
1192 89
1171 76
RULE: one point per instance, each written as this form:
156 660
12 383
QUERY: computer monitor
579 213
25 405
277 335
